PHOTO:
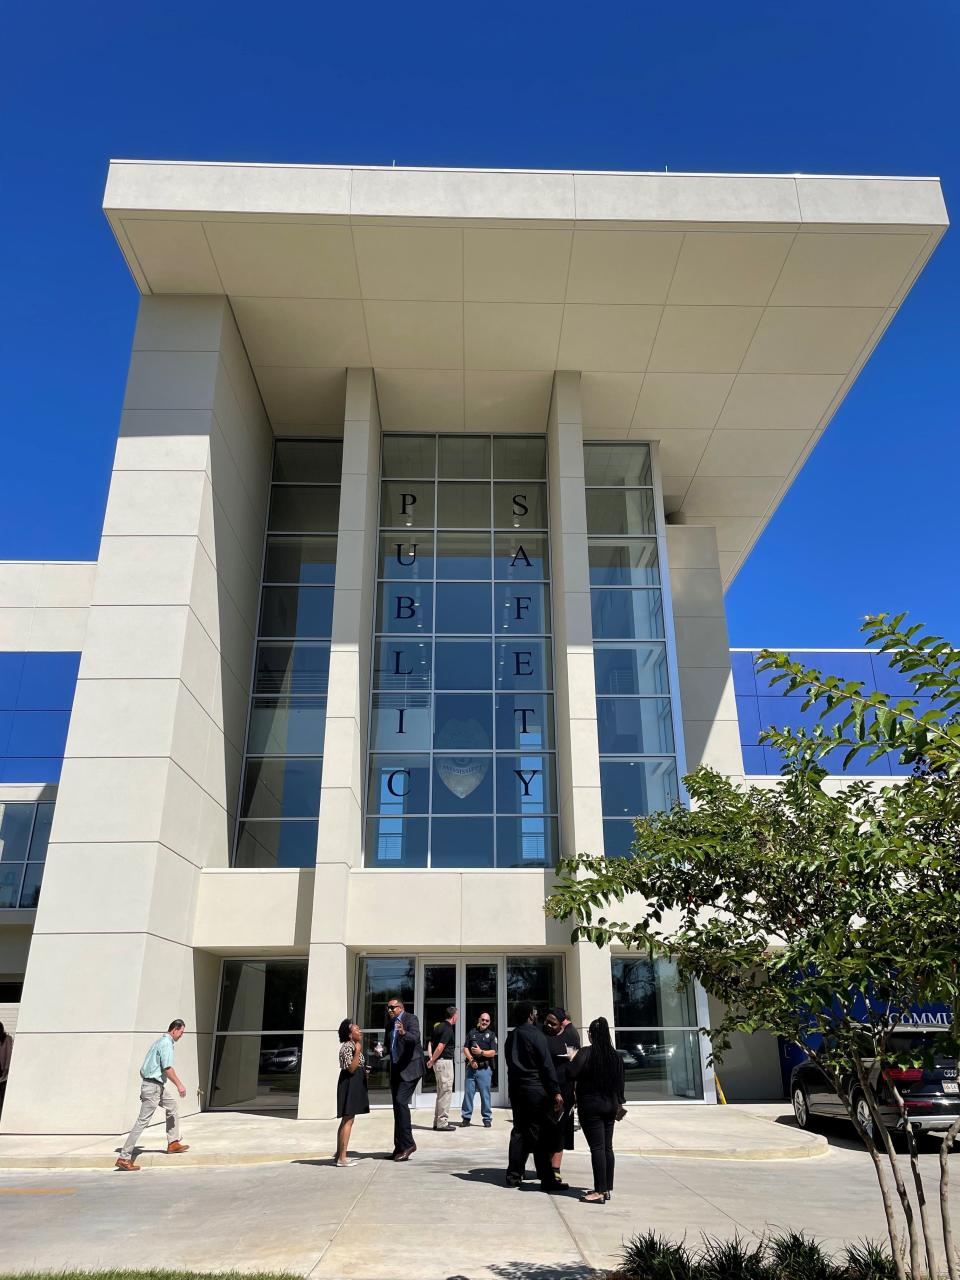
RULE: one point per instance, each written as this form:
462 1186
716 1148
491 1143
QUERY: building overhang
725 316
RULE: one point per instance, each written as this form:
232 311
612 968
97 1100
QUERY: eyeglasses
392 1008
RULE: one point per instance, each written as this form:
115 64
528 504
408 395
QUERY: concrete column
589 988
151 770
340 839
710 730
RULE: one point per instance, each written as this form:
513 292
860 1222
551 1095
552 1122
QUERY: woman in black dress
597 1075
562 1038
352 1097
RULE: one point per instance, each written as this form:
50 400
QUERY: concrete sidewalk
238 1138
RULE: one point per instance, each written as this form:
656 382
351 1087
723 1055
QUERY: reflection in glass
281 788
292 668
292 843
287 726
396 842
627 615
462 783
623 670
464 458
308 461
296 611
521 608
523 664
256 1072
398 784
304 508
11 877
409 456
629 788
404 608
16 822
521 505
301 560
463 555
620 511
648 993
621 465
401 722
30 889
461 842
262 995
406 504
463 506
521 556
635 726
526 784
536 978
523 720
660 1065
462 721
402 664
409 559
463 664
624 562
41 832
618 836
519 457
463 608
526 842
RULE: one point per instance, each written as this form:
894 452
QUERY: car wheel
862 1112
801 1107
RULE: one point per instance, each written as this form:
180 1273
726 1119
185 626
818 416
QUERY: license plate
951 1086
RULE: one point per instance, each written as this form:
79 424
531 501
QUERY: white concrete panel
515 266
506 400
331 897
680 451
58 630
73 897
778 402
293 260
609 401
514 335
739 496
341 823
732 532
179 324
15 627
424 263
20 583
431 909
502 907
122 717
674 492
702 642
622 266
706 694
171 380
134 642
110 800
420 399
810 339
691 547
696 593
173 255
581 691
228 188
163 440
606 338
854 270
154 502
306 398
65 585
714 743
425 335
871 200
703 339
730 268
680 401
61 967
253 909
461 193
302 332
685 197
36 1101
752 453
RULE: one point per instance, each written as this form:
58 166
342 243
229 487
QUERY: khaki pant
443 1070
153 1094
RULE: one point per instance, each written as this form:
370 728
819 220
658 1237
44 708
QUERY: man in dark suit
403 1047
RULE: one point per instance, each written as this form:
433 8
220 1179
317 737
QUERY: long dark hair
3 1033
603 1072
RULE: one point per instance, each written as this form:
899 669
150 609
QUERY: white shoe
343 1164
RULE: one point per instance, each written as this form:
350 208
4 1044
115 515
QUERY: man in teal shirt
156 1078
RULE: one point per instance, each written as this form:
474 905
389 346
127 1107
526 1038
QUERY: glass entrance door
473 986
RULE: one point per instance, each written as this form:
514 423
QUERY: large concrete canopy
725 316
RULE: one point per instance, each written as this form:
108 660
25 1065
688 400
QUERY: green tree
816 913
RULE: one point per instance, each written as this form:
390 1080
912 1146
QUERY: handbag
621 1112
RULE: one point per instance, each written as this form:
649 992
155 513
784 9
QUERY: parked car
275 1061
931 1094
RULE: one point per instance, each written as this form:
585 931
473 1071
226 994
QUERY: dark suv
931 1095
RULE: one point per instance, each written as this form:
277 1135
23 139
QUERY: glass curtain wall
280 793
638 765
24 835
461 768
656 1032
259 1039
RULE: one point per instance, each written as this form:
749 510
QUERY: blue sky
872 523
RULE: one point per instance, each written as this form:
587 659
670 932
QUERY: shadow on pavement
839 1134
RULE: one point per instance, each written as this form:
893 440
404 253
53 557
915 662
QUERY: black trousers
597 1128
533 1133
401 1091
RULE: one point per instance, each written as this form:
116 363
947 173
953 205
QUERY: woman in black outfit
560 1038
597 1073
352 1097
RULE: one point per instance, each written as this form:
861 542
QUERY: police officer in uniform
479 1053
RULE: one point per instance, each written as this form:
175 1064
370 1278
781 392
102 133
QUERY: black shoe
488 1124
554 1188
464 1124
513 1180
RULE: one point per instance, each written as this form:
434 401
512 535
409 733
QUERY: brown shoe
405 1155
174 1148
126 1165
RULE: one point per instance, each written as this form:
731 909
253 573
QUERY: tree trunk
902 1193
928 1245
890 1213
953 1268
